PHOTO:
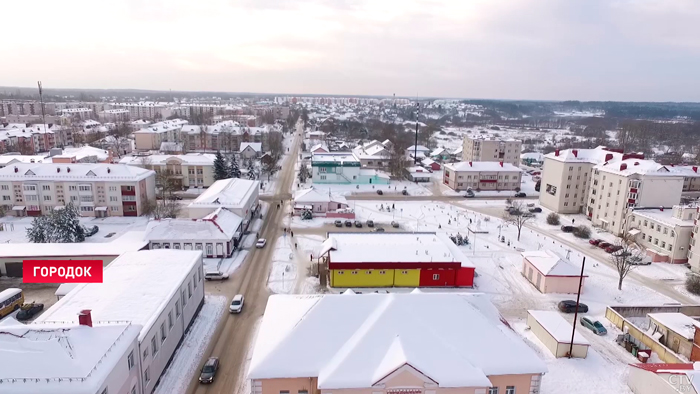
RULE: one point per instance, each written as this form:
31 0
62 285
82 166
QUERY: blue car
594 326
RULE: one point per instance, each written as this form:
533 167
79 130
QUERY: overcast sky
646 50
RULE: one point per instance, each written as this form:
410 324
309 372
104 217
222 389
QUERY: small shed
549 273
555 333
431 164
417 174
677 330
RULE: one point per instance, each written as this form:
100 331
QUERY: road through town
234 333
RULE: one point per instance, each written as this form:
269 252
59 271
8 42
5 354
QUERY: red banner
62 271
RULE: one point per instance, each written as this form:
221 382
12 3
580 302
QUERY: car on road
603 244
236 304
261 243
380 192
394 224
338 223
593 325
642 260
370 223
358 224
521 194
613 248
27 311
595 242
567 229
348 223
378 230
209 370
535 210
469 194
569 306
404 192
217 275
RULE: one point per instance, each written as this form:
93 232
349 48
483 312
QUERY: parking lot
42 293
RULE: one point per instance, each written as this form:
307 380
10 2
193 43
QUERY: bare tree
517 215
274 142
626 258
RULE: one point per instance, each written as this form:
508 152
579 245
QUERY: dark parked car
370 223
569 306
378 230
613 248
348 223
209 370
603 244
89 232
595 242
395 224
469 194
27 311
521 194
358 224
568 229
535 210
404 192
338 223
380 192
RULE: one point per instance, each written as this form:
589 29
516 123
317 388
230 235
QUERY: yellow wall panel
364 278
407 278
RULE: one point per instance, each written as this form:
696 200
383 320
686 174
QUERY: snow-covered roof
420 148
557 327
199 159
438 152
168 146
60 358
636 166
162 127
355 341
686 171
395 248
538 156
230 193
318 146
458 151
128 242
9 159
371 150
220 225
664 217
73 172
478 166
83 152
333 157
255 146
549 264
594 156
418 171
427 161
137 286
313 194
677 322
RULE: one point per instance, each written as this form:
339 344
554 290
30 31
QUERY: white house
417 174
250 150
159 290
482 175
419 151
322 203
239 196
319 148
373 154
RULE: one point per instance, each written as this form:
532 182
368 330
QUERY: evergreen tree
220 171
38 231
61 226
234 170
251 170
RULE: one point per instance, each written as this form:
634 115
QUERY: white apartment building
190 170
566 176
691 177
151 137
145 110
629 183
160 291
33 189
69 358
664 233
476 149
482 176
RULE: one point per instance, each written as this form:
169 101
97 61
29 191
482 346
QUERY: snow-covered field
184 364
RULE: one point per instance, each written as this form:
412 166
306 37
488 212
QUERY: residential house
417 174
482 175
250 150
324 204
489 149
431 164
152 136
373 154
419 151
83 154
676 330
319 148
343 167
440 154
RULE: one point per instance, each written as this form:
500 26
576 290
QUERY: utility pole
415 146
578 298
41 101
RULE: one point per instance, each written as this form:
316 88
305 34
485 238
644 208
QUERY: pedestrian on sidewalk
295 245
291 232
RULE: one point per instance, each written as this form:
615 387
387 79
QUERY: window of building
510 389
170 320
354 272
133 390
177 308
663 244
145 352
5 187
404 272
673 233
130 360
162 332
85 188
147 375
656 241
670 247
189 290
436 276
493 390
45 187
154 345
665 230
104 391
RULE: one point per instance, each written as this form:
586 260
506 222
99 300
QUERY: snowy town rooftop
130 241
137 287
636 166
199 159
477 166
163 127
354 341
10 159
686 171
393 247
677 322
83 152
597 155
220 225
549 264
256 146
557 327
73 172
334 157
662 216
60 358
233 192
314 194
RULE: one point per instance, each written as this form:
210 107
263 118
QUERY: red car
603 245
595 242
613 248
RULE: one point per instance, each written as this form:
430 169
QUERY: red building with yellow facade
424 259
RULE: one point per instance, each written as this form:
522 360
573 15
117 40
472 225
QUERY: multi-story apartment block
482 175
27 139
145 110
190 170
96 190
629 183
77 113
484 149
20 108
151 137
566 176
115 115
665 233
691 177
225 136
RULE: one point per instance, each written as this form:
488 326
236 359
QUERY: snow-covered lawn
110 228
184 364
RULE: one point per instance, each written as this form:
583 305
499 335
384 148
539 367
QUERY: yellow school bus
10 300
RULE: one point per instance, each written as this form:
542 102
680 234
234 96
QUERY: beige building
664 233
226 136
190 170
693 248
482 176
555 333
677 330
549 273
145 110
691 177
95 189
629 183
151 137
483 149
